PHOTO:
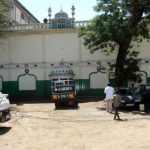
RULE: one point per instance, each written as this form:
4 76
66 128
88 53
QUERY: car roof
121 88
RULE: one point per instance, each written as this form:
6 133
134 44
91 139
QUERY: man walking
109 91
116 103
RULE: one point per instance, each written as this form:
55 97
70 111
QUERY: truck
63 86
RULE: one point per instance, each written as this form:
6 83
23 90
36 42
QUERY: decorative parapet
39 26
20 27
82 23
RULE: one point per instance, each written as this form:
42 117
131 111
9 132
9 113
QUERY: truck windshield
62 85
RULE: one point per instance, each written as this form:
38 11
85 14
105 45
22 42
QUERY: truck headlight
55 90
55 97
70 95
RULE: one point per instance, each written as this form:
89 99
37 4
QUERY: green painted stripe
82 87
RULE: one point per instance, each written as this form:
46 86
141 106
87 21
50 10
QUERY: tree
119 24
3 15
45 20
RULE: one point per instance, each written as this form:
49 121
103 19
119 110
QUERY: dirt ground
41 127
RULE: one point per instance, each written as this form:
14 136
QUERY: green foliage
131 65
112 26
3 15
105 32
118 24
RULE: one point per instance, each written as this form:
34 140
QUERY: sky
39 8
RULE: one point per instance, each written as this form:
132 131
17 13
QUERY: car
4 108
144 91
128 97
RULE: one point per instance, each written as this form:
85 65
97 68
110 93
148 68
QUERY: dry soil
41 127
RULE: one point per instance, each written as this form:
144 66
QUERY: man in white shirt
109 91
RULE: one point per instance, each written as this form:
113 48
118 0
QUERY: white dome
61 14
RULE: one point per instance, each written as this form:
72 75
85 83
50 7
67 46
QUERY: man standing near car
109 91
116 103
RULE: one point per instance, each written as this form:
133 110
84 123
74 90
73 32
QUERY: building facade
18 14
29 52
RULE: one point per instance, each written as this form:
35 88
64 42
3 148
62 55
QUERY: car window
147 88
125 92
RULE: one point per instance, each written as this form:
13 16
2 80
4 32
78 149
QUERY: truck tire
57 105
76 104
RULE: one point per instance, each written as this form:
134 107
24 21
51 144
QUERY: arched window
27 82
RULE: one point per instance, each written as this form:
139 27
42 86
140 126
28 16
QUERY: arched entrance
98 81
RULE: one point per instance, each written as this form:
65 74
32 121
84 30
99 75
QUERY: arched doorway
98 81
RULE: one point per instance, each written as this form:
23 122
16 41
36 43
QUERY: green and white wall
26 58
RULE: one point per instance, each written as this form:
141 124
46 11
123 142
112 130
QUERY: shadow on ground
4 130
29 100
101 108
133 110
26 100
67 108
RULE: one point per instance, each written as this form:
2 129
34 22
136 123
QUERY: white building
18 14
31 50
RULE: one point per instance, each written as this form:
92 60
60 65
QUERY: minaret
73 11
49 13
